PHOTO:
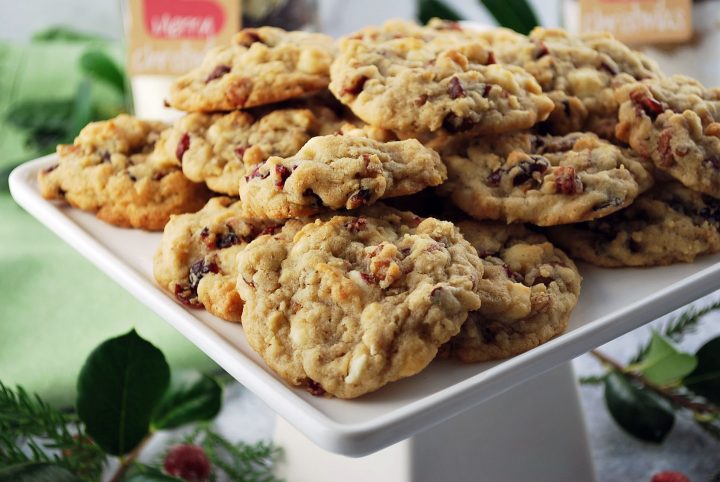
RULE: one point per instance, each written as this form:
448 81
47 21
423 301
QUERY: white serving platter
612 302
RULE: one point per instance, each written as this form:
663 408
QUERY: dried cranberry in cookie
544 180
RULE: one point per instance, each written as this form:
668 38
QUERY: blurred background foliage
51 87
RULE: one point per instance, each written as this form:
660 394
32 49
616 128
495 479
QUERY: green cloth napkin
55 306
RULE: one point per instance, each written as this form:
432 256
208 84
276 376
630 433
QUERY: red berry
188 462
669 476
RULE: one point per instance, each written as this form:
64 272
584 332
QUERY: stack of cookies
365 205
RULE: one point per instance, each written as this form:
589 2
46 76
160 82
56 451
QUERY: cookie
528 290
579 73
338 172
397 79
118 169
260 66
544 180
196 259
668 224
675 122
347 304
219 149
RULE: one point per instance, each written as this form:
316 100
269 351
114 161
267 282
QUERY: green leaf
514 14
146 473
705 379
192 397
30 114
62 33
45 121
676 328
36 472
640 412
428 9
663 364
82 111
98 65
119 388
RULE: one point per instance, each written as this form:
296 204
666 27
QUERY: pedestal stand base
534 431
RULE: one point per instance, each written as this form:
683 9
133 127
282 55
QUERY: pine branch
592 380
237 462
33 431
240 462
678 327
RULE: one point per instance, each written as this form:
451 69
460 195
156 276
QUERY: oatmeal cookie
668 224
675 122
395 79
118 169
219 149
338 172
579 73
260 66
196 259
544 180
346 304
527 292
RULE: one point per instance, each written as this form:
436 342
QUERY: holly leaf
705 379
36 472
640 412
191 397
99 65
663 364
119 388
513 14
146 473
428 9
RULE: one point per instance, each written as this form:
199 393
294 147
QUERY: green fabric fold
55 306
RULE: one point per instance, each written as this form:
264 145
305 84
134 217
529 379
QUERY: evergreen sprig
239 462
592 379
33 431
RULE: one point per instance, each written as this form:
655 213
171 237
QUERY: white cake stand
534 431
517 419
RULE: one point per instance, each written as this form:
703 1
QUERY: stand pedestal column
534 431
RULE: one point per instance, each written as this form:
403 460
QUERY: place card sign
639 21
170 37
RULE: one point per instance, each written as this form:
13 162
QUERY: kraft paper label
170 37
639 21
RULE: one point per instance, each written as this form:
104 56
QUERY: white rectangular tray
612 302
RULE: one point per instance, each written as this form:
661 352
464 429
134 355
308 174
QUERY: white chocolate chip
357 366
